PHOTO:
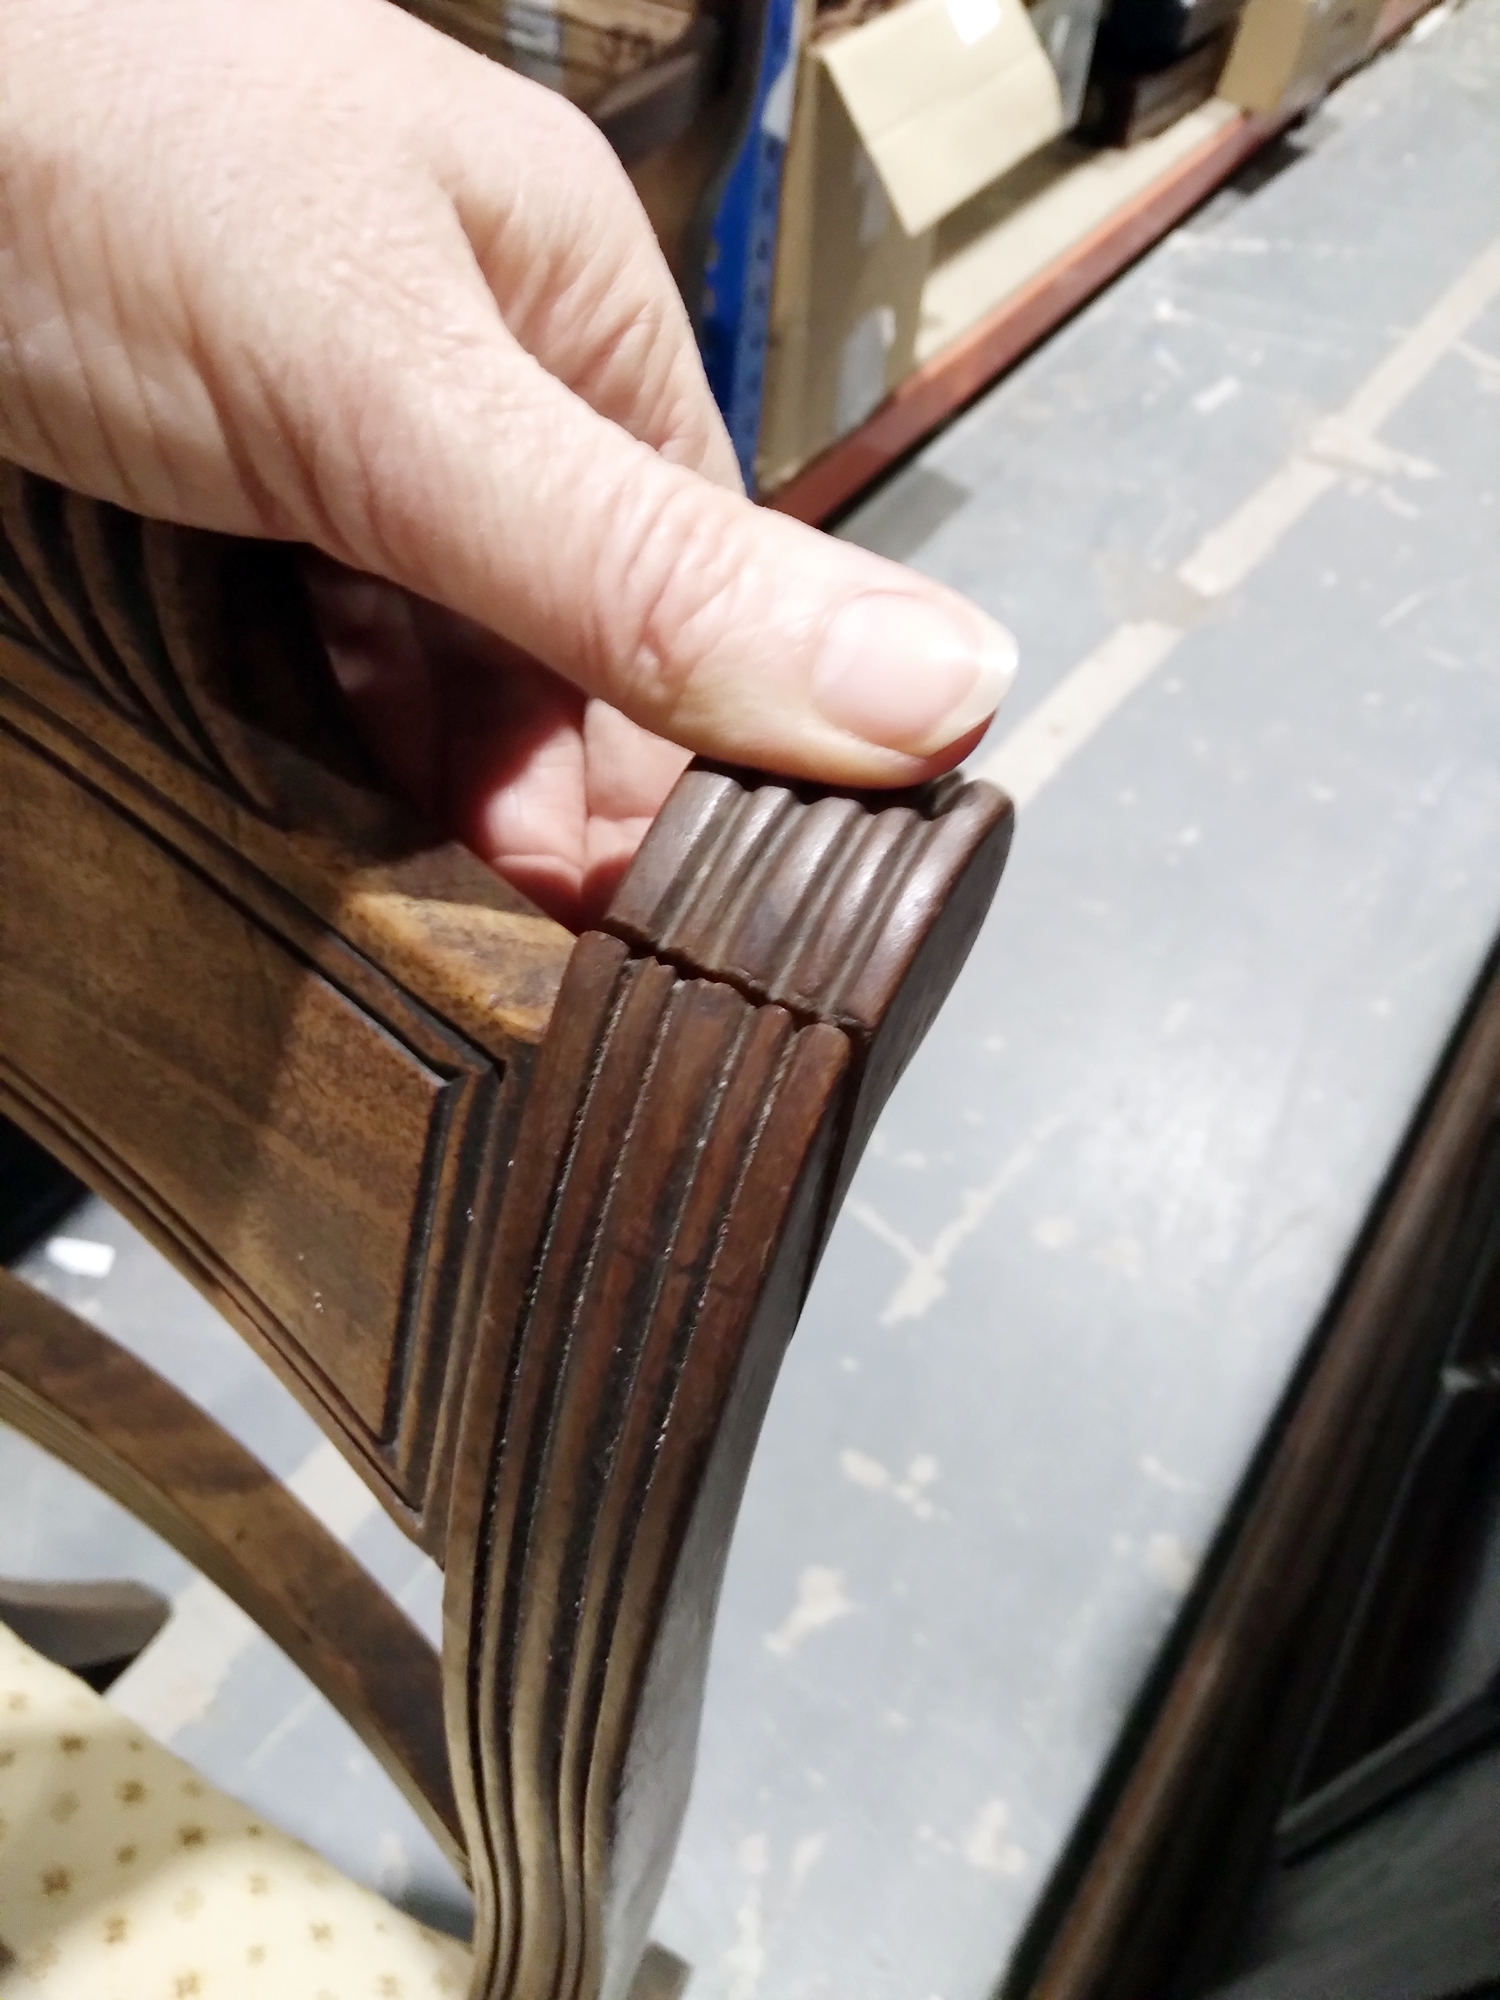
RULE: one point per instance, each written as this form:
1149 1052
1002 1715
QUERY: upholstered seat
125 1876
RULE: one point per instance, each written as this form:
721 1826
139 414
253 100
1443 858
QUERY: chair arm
100 1410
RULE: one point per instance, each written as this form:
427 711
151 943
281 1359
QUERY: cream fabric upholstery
124 1876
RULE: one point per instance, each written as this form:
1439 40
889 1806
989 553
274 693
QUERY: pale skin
312 271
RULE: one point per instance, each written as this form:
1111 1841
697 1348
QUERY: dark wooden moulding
524 1220
1305 1805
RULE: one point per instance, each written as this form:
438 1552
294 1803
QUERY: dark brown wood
711 1072
525 1220
240 989
1149 1900
113 1419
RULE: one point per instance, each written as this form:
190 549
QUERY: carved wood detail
527 1221
699 1104
313 1112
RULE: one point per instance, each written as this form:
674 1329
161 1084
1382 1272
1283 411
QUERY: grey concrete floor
1102 1212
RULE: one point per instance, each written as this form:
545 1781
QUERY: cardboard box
895 124
1288 52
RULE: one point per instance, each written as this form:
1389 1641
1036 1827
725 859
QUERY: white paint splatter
79 1257
745 1960
806 1855
926 1273
1405 608
1216 395
1121 1254
820 1600
1163 1475
868 1472
1054 1232
1341 444
987 1847
1170 1561
1397 504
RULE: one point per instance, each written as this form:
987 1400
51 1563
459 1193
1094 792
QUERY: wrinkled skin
315 272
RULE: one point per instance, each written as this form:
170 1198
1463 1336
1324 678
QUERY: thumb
731 630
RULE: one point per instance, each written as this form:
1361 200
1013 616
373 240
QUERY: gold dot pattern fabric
124 1876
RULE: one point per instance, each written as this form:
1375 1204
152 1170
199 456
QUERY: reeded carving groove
527 1222
96 618
796 894
715 1060
238 909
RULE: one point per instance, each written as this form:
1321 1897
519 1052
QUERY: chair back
524 1220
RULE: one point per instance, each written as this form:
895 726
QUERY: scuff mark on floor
820 1600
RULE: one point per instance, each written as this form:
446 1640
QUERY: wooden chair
524 1220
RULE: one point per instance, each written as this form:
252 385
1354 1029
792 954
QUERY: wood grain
527 1222
240 987
116 1421
716 1055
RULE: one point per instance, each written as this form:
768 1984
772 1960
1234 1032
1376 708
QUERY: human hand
316 272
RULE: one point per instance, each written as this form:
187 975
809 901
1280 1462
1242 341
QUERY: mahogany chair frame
524 1220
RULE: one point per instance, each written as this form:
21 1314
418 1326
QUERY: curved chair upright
524 1219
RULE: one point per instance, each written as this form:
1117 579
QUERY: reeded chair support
524 1220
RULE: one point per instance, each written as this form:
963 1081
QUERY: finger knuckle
669 594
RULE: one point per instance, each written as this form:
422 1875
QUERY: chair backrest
524 1220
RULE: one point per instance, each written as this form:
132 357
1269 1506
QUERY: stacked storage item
581 48
900 119
1287 52
1154 60
900 169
